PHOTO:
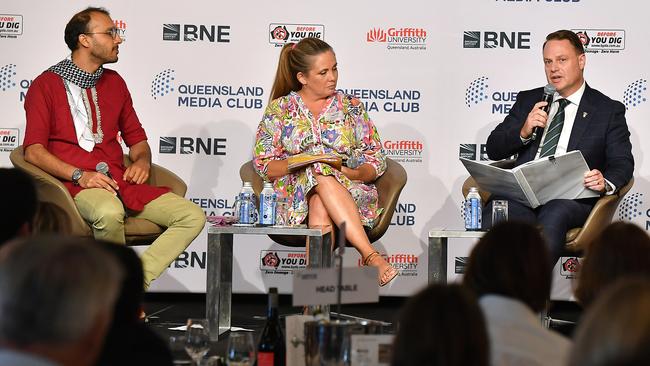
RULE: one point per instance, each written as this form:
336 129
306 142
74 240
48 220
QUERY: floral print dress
343 128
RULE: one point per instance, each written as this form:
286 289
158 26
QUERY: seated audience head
622 249
19 204
131 289
295 59
51 219
615 330
511 260
56 298
441 325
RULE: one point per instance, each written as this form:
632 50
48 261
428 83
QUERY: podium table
219 265
438 242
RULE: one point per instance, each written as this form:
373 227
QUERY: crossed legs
332 203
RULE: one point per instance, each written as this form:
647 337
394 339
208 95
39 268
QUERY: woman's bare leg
340 208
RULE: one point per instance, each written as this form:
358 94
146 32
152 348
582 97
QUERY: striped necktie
554 131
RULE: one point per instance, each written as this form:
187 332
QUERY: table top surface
455 233
274 230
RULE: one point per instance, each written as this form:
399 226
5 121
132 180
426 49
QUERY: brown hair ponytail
295 58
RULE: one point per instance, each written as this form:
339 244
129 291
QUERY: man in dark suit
580 118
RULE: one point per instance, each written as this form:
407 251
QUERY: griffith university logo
7 74
162 83
402 38
635 93
477 91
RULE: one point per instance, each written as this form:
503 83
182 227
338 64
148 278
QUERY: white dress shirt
517 337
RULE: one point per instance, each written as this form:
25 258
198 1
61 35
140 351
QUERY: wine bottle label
265 359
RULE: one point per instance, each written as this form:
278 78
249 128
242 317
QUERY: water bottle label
245 208
473 214
267 209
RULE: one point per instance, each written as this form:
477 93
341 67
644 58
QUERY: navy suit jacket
599 132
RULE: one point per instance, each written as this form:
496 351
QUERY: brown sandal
391 272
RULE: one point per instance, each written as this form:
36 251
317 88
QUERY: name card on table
318 286
371 349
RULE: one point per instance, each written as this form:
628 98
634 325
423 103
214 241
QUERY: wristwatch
76 175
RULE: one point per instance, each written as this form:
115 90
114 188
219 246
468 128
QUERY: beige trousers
183 219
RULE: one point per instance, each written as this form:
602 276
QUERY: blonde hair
295 58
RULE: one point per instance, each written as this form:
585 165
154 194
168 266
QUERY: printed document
536 182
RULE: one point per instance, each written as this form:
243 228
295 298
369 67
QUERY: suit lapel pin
584 114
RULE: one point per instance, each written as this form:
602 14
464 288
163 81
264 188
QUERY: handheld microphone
549 91
102 168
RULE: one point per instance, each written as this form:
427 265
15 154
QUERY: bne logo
487 39
191 145
193 33
470 152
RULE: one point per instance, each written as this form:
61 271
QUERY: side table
438 241
219 265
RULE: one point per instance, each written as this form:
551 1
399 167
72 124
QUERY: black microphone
102 168
549 91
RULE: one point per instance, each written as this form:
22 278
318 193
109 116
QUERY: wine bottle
271 348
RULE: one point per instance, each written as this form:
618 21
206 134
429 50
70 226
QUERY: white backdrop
435 76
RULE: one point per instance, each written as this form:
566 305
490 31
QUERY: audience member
19 204
509 269
616 328
51 219
622 249
56 301
129 341
441 325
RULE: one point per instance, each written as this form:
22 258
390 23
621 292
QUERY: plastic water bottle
246 204
268 202
473 210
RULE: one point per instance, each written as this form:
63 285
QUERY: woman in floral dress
308 115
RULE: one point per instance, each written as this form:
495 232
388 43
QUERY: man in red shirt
75 110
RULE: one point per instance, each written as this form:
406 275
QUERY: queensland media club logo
163 83
634 94
601 40
282 33
478 91
473 152
196 32
399 38
491 39
404 151
7 77
11 25
9 138
205 95
192 145
636 209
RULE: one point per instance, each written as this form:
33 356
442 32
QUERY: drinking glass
241 349
499 211
197 339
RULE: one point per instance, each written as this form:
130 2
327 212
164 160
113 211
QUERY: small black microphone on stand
102 168
339 256
549 91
